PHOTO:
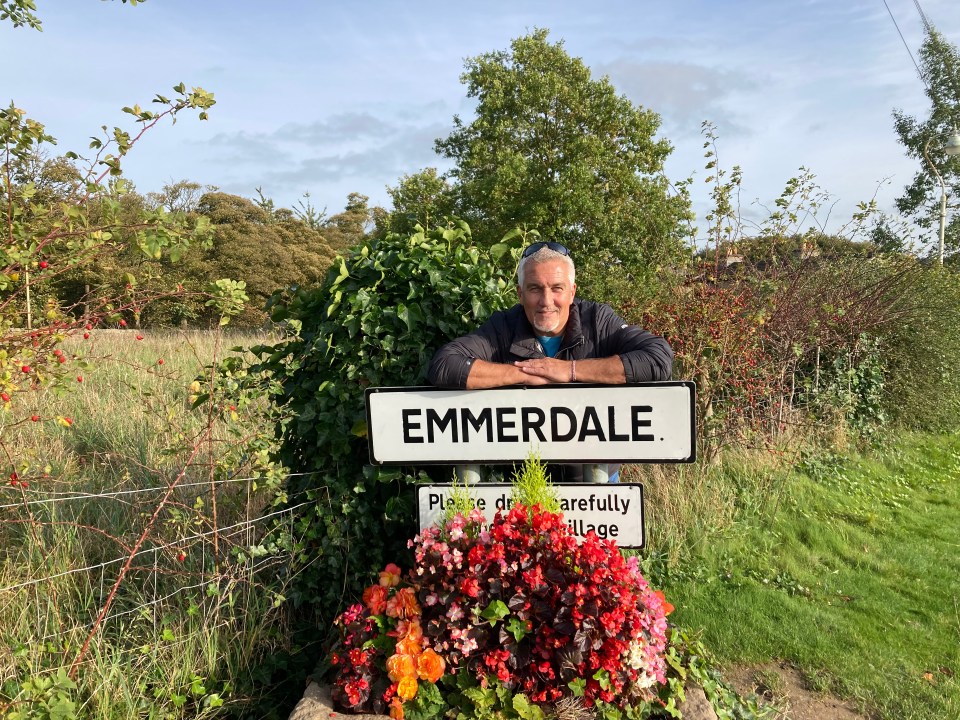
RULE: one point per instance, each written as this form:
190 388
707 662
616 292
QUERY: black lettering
591 425
468 420
503 424
612 417
528 424
555 434
409 425
639 422
434 500
441 423
481 503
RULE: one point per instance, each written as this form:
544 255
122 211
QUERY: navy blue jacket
593 330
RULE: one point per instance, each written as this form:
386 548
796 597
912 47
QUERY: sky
331 98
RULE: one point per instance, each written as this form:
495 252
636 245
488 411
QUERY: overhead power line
910 52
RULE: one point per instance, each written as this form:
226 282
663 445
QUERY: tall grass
182 626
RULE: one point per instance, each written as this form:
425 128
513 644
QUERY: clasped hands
543 371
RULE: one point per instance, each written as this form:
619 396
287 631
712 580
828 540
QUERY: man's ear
574 289
519 293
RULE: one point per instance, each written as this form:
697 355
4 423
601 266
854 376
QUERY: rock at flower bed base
696 706
317 705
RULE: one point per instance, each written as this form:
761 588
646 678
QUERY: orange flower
390 576
667 607
408 646
408 630
375 598
430 666
400 667
403 604
407 688
396 708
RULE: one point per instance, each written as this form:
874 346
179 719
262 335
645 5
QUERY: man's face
546 296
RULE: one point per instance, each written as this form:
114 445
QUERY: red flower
470 587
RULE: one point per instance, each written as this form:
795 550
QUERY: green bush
922 356
375 321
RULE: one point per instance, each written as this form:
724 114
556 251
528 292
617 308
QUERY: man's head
546 287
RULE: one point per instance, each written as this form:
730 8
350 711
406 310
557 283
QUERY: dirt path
784 687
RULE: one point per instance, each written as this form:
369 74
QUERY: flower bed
516 619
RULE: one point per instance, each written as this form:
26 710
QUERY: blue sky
330 98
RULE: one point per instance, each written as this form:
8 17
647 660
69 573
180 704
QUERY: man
551 336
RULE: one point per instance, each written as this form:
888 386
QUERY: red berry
4 397
233 408
43 264
35 418
58 352
14 477
181 556
68 421
79 378
23 484
25 369
139 337
88 327
86 336
61 359
123 323
160 361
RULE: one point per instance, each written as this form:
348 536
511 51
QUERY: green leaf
495 611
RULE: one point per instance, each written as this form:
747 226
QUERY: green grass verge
854 577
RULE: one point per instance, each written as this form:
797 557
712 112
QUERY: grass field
854 578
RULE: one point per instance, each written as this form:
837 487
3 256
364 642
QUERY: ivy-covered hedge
375 321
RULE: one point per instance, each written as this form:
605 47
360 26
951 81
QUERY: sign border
692 458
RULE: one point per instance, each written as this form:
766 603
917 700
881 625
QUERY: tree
268 251
423 199
346 229
552 149
924 139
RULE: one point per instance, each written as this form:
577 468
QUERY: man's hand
550 370
484 374
544 371
608 371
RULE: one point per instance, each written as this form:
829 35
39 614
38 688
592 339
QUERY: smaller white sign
613 511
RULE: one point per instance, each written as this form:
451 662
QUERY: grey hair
543 255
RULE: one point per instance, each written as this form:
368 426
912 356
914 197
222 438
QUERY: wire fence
221 558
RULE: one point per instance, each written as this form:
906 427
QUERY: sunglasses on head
537 246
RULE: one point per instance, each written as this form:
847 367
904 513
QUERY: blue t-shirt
551 345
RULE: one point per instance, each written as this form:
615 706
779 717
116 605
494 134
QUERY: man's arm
645 357
469 361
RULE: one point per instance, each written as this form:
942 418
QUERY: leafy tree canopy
554 150
924 139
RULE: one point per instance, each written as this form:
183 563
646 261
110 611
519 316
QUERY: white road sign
613 512
640 422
